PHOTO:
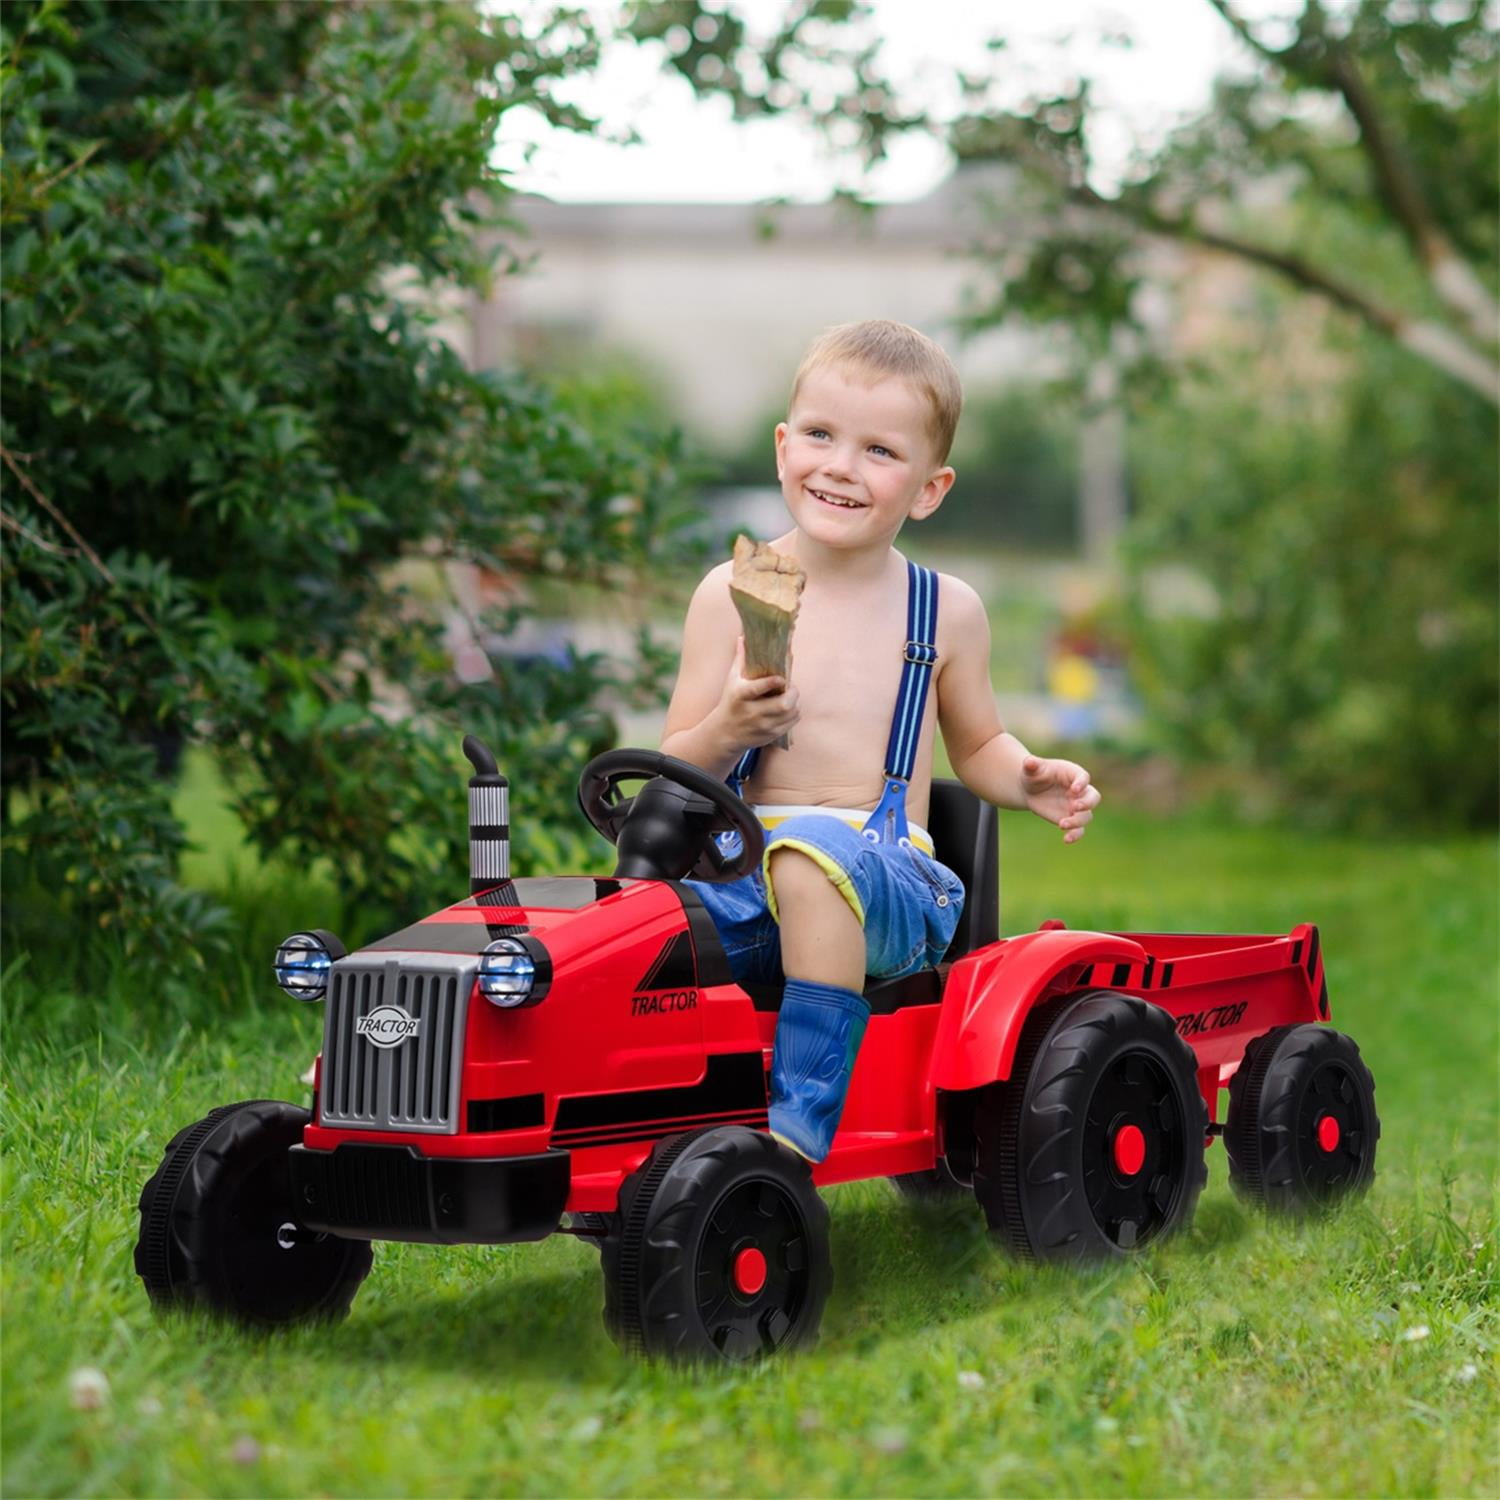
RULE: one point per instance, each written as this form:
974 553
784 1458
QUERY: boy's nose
838 466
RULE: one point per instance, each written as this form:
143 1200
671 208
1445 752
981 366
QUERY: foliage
1017 463
227 414
1353 1358
1347 533
1408 88
1334 485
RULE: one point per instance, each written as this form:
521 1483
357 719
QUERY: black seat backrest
966 837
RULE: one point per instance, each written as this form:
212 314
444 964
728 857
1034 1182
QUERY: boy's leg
823 1012
821 938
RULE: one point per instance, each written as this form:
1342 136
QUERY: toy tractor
572 1054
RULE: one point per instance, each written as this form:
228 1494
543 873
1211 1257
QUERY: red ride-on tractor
576 1049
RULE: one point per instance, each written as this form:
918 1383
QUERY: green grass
1247 1358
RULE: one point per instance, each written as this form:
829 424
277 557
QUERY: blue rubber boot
817 1037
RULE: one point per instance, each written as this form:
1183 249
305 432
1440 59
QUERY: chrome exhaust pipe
489 819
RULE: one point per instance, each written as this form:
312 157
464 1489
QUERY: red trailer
571 1054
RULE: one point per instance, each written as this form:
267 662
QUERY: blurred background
371 373
377 372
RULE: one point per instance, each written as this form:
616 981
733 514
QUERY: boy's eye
882 451
817 432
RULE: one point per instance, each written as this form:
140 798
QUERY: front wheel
219 1226
1302 1127
721 1252
1094 1147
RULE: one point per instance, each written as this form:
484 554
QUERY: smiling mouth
835 500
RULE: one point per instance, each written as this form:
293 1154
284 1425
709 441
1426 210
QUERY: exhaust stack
489 819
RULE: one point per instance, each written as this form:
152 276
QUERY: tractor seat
966 837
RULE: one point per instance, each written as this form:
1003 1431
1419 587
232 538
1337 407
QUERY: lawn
1351 1357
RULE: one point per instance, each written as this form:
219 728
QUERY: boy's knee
801 881
795 876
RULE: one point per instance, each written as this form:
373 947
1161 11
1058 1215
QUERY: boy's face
855 459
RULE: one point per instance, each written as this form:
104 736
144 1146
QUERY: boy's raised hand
1060 791
756 710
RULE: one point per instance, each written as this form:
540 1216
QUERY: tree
1385 110
1327 463
227 414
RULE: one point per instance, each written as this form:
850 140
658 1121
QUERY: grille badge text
387 1026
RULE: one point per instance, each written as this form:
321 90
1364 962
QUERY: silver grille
412 1086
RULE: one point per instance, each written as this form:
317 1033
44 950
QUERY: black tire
708 1212
219 1227
1293 1083
1094 1147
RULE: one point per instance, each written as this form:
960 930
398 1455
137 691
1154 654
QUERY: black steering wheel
667 829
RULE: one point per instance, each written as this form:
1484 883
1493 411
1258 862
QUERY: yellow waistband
773 814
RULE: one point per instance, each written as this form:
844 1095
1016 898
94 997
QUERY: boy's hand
756 710
1060 792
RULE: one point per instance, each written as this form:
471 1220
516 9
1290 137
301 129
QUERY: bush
227 414
1346 530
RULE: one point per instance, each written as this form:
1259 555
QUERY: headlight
303 962
514 971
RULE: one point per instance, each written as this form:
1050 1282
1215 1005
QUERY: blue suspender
887 823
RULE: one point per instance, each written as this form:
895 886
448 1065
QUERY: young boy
848 886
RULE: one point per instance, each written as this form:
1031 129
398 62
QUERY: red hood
570 914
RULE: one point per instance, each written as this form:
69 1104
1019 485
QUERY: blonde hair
881 347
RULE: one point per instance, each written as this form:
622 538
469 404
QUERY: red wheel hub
1130 1150
749 1271
1328 1133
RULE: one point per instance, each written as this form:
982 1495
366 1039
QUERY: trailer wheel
1302 1127
219 1227
1094 1147
721 1253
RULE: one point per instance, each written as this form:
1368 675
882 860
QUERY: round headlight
507 973
303 962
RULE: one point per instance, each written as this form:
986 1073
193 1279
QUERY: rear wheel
721 1252
219 1226
1094 1147
1302 1127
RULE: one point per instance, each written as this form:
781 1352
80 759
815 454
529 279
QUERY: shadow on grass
546 1324
901 1268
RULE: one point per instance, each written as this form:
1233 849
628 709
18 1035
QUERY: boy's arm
716 711
988 759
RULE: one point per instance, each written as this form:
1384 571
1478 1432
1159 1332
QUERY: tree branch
1439 346
1241 27
1329 65
10 523
56 514
1452 278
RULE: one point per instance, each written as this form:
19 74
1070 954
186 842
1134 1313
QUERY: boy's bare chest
846 659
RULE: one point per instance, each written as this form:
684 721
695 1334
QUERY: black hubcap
281 1272
753 1216
1135 1093
1330 1095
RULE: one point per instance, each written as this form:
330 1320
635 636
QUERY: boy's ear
780 446
932 493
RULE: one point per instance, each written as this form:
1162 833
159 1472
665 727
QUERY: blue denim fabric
900 888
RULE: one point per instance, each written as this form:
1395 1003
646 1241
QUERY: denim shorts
907 903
